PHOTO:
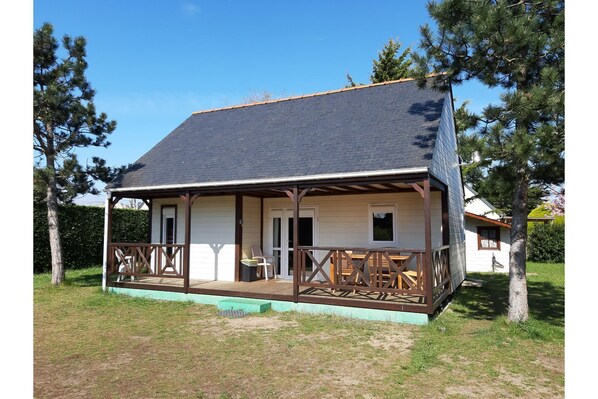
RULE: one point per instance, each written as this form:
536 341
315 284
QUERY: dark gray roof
381 127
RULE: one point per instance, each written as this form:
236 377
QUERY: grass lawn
95 345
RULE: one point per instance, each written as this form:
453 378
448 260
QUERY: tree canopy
64 119
391 64
516 46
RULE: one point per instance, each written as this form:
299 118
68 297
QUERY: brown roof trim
315 94
488 220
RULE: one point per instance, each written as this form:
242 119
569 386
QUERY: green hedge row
82 234
546 243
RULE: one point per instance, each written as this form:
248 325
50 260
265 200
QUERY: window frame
482 228
372 208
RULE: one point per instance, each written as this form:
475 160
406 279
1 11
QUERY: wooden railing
440 272
150 260
378 270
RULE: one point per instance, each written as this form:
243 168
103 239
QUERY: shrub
546 243
82 234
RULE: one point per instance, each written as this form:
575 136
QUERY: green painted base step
246 305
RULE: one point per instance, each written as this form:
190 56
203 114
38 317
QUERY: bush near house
82 234
547 243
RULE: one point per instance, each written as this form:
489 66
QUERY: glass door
306 238
281 222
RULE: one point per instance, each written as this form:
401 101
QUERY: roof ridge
322 93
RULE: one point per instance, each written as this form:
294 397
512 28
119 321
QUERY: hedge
546 243
82 234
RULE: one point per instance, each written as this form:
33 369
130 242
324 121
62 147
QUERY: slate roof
387 126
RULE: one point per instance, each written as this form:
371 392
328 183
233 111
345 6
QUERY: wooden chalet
371 173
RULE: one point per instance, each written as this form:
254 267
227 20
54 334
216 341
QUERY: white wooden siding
481 260
478 206
445 166
251 224
212 250
344 220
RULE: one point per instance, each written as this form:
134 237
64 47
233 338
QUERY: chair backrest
120 254
256 251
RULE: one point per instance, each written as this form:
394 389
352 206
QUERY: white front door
281 228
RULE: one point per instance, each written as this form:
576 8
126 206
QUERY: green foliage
390 64
547 243
82 234
64 118
518 47
543 210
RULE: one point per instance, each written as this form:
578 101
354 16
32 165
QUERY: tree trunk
518 307
53 226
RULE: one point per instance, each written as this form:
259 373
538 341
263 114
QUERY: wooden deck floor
278 289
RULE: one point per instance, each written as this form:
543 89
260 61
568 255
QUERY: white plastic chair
124 262
263 261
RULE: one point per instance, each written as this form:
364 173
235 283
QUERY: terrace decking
279 289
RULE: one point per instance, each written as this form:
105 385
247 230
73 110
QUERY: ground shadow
86 280
546 301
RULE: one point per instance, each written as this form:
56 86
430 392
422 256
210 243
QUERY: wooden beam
195 196
238 234
186 258
302 194
436 183
114 201
417 188
428 276
390 186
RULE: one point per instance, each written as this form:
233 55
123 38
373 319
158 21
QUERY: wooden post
186 258
238 234
429 278
150 204
446 237
295 244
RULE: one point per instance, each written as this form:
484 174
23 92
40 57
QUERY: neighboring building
371 173
487 237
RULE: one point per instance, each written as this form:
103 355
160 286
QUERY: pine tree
517 46
64 118
390 65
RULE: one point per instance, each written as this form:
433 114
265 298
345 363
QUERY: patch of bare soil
555 364
399 344
224 326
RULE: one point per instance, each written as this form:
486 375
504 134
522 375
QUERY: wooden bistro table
379 272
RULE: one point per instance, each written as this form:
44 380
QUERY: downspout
106 227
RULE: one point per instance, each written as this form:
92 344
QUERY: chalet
354 195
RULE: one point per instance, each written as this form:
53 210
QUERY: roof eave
276 180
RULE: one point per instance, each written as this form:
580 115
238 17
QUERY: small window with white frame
383 224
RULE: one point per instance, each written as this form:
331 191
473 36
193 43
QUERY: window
382 224
488 238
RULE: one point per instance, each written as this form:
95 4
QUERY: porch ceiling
316 188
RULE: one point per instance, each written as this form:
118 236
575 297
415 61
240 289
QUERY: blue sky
153 63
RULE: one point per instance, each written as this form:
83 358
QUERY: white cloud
190 9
